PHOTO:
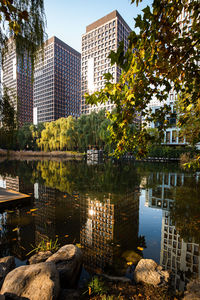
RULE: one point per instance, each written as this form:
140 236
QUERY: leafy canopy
161 57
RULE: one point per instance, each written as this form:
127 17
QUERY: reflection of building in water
111 220
57 215
161 196
45 220
16 184
176 255
12 183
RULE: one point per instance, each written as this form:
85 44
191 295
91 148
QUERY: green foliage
9 122
170 152
162 56
96 287
57 135
25 138
71 134
46 245
8 115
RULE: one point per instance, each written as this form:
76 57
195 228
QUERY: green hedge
170 151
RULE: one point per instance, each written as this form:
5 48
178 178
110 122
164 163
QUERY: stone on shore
39 257
7 264
193 290
68 260
38 281
148 271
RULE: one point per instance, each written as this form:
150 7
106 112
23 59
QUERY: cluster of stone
54 276
48 276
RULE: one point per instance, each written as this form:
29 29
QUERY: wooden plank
10 195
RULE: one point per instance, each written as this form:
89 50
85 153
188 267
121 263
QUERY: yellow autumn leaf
33 209
15 229
89 291
140 248
79 246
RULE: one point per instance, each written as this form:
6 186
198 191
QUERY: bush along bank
55 276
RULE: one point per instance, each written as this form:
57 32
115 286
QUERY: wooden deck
9 195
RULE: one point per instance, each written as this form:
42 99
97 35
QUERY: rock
193 290
67 294
7 264
68 260
147 271
39 257
38 281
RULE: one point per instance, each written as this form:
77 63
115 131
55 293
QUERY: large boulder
7 264
193 290
68 260
39 257
148 271
38 281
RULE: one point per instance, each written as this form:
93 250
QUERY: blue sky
67 19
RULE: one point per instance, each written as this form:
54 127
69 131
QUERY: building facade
57 82
17 80
100 38
172 134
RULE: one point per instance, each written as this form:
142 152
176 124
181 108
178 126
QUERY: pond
116 213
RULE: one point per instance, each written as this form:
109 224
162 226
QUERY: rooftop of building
106 19
56 40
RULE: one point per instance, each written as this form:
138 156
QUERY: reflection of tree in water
185 212
78 176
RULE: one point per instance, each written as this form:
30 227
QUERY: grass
45 245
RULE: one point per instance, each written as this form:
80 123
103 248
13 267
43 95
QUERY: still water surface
117 213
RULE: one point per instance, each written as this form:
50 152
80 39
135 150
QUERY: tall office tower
57 82
100 38
16 78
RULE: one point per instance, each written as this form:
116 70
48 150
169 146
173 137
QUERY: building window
168 137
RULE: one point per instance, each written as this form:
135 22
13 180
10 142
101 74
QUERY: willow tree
24 21
163 55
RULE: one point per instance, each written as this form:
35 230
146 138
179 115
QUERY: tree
25 23
25 137
8 120
162 56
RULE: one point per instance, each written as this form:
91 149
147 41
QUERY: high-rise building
100 38
57 82
17 79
